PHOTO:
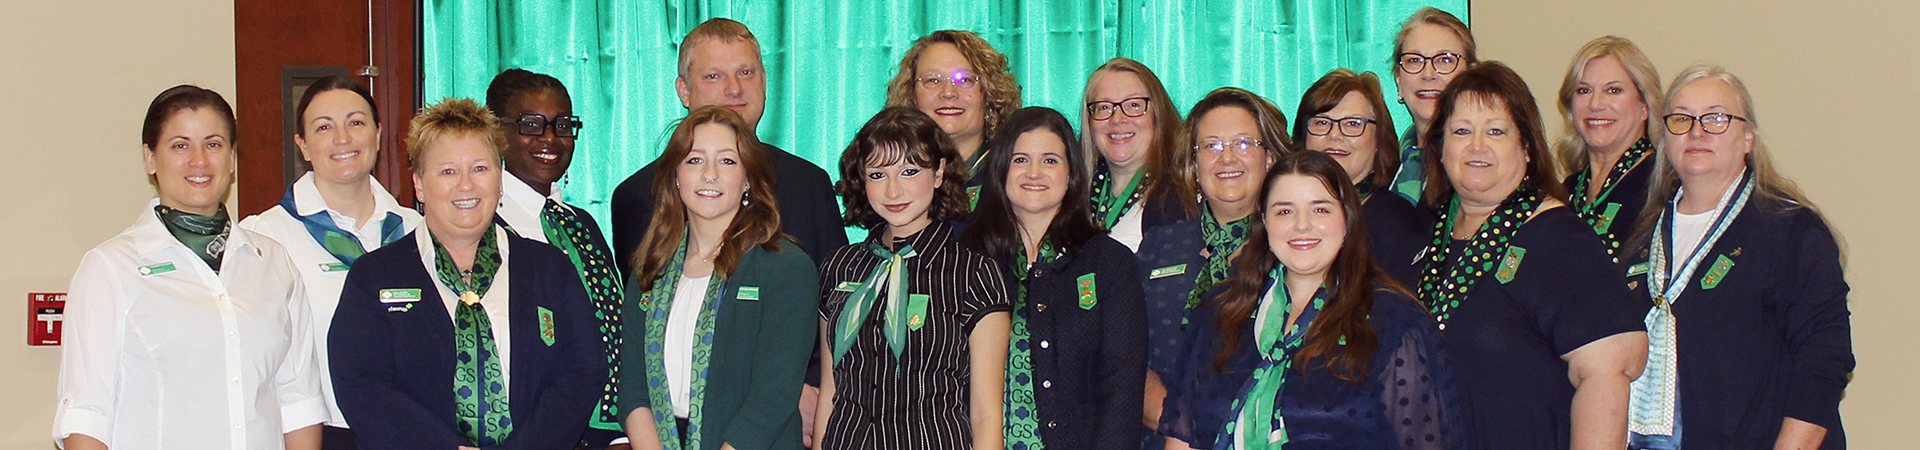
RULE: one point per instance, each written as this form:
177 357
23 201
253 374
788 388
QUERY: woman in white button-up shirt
163 351
334 214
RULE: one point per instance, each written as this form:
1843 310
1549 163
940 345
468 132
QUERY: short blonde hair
718 28
1000 90
453 117
1434 16
1646 79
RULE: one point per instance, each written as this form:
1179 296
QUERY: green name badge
1510 264
1721 266
1637 269
399 295
546 325
334 267
1088 297
749 293
1167 271
156 269
847 286
917 311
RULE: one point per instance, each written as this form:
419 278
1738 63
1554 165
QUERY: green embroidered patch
156 269
1167 271
399 295
1606 219
1719 272
1510 264
1087 295
749 293
546 325
973 197
917 311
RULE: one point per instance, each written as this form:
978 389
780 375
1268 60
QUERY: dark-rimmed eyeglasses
1243 146
1132 107
1349 127
960 78
534 124
1712 123
1443 63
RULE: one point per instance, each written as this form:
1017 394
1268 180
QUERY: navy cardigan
1089 363
393 366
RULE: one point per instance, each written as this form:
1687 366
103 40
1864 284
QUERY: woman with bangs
1607 101
1344 116
1311 345
717 327
1132 135
914 326
1542 331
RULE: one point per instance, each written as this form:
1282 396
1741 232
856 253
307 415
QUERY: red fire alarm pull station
44 317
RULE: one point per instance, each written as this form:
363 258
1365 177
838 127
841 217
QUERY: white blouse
1129 229
162 353
677 356
320 272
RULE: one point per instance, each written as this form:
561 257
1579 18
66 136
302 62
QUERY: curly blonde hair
1002 91
453 117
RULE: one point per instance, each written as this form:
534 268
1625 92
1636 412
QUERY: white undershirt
678 352
1690 229
1128 230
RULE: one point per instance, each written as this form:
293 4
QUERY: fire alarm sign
44 317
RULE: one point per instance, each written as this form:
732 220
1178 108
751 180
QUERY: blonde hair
1572 148
1166 165
453 117
1768 183
1434 16
719 28
1001 91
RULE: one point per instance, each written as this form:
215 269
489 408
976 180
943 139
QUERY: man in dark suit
720 65
394 356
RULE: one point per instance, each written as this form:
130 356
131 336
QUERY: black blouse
1396 233
1773 339
920 402
1505 339
1089 362
1626 200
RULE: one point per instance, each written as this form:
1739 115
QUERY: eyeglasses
960 79
1349 127
1241 146
1443 63
1132 107
1712 123
533 124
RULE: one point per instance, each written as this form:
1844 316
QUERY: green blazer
759 354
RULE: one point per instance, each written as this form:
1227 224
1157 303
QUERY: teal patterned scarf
479 382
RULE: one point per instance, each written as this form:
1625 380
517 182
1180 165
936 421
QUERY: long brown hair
1493 84
1166 164
757 223
1327 93
1351 280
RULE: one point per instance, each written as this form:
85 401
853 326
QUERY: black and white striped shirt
923 402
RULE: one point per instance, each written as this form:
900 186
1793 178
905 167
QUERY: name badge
1088 297
749 293
847 286
1637 269
156 269
334 267
399 295
1167 271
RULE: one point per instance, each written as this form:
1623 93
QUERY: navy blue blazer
1772 339
1397 232
393 368
1089 363
1170 264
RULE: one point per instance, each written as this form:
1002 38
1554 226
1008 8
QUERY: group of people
1226 280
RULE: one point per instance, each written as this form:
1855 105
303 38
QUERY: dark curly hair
895 134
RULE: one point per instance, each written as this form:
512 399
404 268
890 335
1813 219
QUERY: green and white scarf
1444 285
481 412
889 276
659 307
1258 424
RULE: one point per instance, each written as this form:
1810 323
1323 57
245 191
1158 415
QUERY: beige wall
78 77
1832 84
1825 78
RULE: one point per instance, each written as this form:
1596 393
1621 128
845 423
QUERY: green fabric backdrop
828 61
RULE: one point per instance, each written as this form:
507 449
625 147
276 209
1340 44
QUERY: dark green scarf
206 235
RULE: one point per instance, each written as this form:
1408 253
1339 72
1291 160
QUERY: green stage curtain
828 61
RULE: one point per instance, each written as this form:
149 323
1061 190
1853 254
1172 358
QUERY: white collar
150 235
306 197
523 194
